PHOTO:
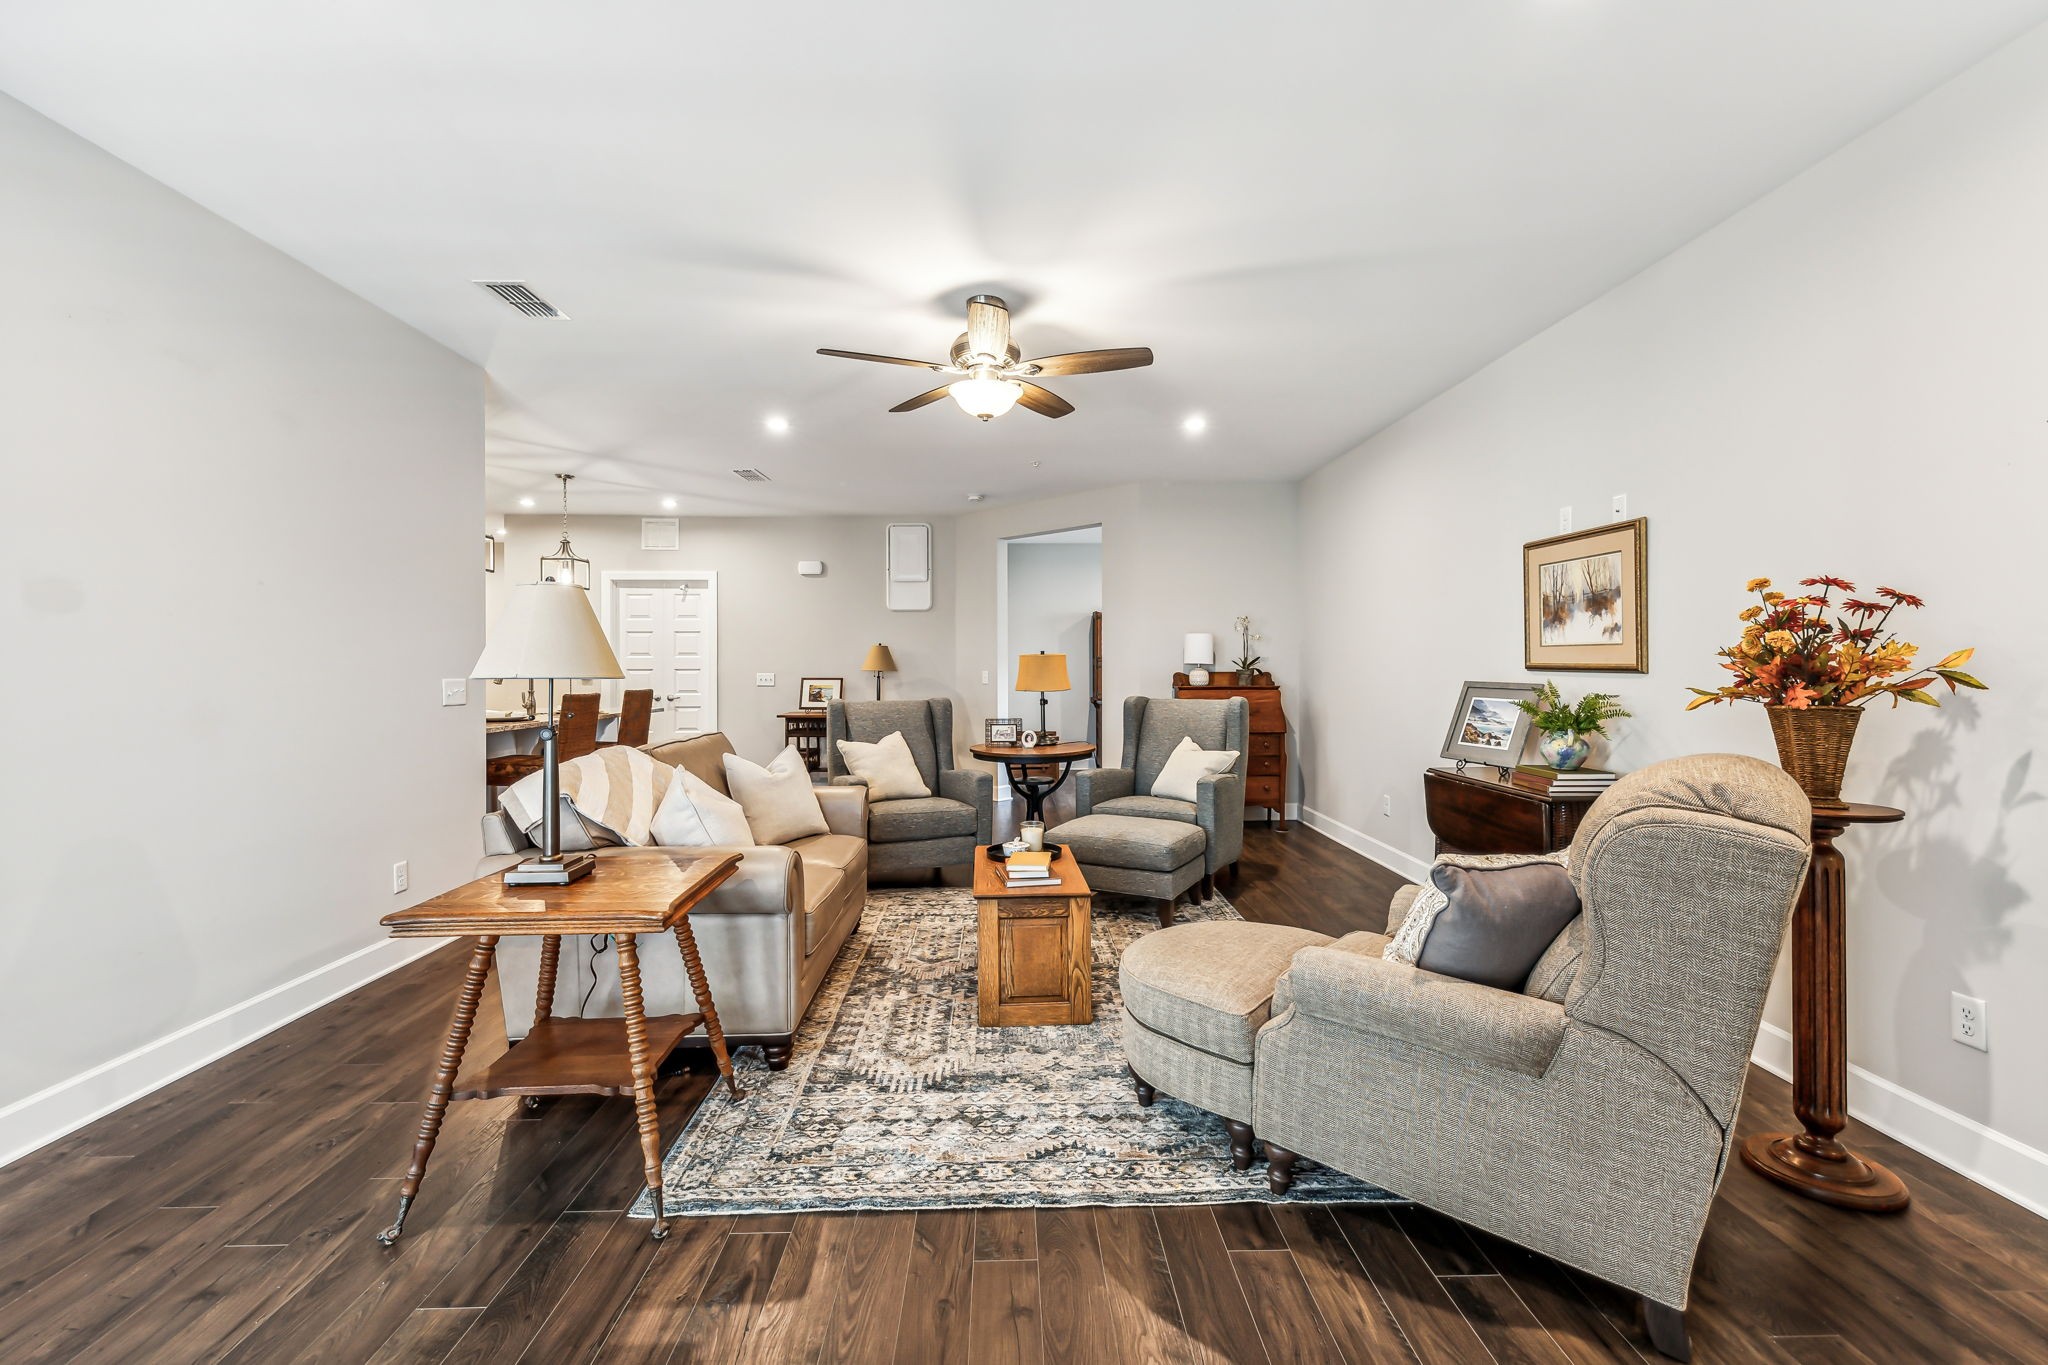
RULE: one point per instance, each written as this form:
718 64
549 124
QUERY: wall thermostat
810 568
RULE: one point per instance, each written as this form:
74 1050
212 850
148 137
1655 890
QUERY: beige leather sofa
767 936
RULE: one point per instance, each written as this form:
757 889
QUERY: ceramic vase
1563 750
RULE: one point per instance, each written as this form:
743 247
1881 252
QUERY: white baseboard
49 1114
1358 841
1990 1158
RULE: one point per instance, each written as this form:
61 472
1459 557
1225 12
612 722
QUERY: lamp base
541 872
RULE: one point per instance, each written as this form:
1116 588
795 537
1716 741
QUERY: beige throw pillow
778 800
1187 765
888 767
696 814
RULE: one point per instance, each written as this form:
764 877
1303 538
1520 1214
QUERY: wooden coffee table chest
1035 957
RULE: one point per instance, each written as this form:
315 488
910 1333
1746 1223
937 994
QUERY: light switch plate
1620 506
454 691
764 680
1564 519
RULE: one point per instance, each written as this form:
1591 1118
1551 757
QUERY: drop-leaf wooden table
646 891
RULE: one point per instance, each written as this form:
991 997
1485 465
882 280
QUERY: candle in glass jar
1034 834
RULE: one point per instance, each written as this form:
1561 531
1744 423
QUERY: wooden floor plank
580 1318
1290 1324
659 1304
1445 1245
1214 1310
932 1326
1005 1235
733 1294
868 1289
426 1334
1249 1227
1351 1304
213 1302
1510 1331
1144 1311
1002 1318
515 1313
1433 1324
1074 1320
1579 1328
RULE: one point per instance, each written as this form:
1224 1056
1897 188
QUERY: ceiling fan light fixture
984 396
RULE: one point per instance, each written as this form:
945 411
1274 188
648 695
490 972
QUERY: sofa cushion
703 755
780 805
1210 985
1187 765
887 766
694 814
1129 842
919 817
1487 918
1147 808
828 859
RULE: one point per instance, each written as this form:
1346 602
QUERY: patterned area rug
896 1099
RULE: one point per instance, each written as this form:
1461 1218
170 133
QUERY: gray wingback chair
1153 726
1594 1123
933 831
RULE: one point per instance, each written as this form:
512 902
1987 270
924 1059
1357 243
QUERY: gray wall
243 556
1054 590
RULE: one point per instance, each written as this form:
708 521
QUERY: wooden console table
1813 1162
642 892
1481 814
1034 961
806 730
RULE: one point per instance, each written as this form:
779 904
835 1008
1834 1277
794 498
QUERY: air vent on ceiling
525 300
752 475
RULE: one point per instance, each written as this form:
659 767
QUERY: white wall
1845 378
193 430
1054 590
770 620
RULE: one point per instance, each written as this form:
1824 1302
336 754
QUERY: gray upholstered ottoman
1195 998
1136 856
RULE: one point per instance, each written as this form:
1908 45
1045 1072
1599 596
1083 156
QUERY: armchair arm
1219 810
848 780
1397 908
1101 784
978 790
1372 996
501 835
846 808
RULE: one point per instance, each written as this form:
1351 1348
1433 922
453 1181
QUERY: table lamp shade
547 630
1042 672
1198 650
879 660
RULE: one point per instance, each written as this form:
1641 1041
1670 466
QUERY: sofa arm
1377 998
1219 810
846 808
978 790
501 835
1397 908
1101 784
768 881
847 780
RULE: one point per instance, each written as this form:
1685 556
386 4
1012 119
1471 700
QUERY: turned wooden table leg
550 960
686 939
1813 1162
643 1074
443 1085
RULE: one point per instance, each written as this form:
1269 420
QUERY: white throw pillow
1188 764
888 767
778 800
696 814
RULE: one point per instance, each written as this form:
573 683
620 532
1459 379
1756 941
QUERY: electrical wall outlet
1387 806
984 677
764 680
454 691
1966 1021
401 877
1564 519
1620 506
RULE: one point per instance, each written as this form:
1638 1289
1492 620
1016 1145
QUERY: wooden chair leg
1146 1094
1665 1326
1240 1144
1279 1168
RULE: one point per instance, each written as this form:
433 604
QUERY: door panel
665 634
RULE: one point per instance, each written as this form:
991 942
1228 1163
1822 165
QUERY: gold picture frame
1585 600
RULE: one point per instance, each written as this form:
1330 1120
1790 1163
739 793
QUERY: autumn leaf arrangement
1815 649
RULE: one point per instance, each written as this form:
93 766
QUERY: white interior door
664 628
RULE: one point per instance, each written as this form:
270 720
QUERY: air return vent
525 300
752 475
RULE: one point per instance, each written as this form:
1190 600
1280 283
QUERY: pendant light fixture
565 565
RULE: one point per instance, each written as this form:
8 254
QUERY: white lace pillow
778 800
1186 766
887 766
696 814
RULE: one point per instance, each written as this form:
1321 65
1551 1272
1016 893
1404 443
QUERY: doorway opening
663 625
1049 598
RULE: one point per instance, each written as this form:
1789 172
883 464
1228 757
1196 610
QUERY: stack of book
1028 869
1546 781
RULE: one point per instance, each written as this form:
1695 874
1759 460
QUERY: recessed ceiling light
777 424
526 502
1195 425
668 504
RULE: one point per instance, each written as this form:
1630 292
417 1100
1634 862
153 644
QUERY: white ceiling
1318 216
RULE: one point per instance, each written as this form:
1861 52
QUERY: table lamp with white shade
547 630
1042 673
1198 652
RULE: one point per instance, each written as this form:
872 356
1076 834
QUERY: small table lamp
878 662
1198 652
547 630
1042 673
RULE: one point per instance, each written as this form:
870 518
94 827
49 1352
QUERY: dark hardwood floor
230 1216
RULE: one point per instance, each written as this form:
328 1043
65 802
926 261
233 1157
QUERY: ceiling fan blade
886 359
1044 402
930 396
988 327
1090 362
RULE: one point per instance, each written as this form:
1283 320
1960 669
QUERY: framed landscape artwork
1585 600
1488 727
814 694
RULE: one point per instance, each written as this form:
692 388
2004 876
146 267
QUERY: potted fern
1564 728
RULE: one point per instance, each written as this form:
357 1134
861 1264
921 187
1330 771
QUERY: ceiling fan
992 379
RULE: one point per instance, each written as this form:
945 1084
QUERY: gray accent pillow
1487 919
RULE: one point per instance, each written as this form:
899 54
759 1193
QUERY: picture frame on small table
815 694
1002 730
1487 727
